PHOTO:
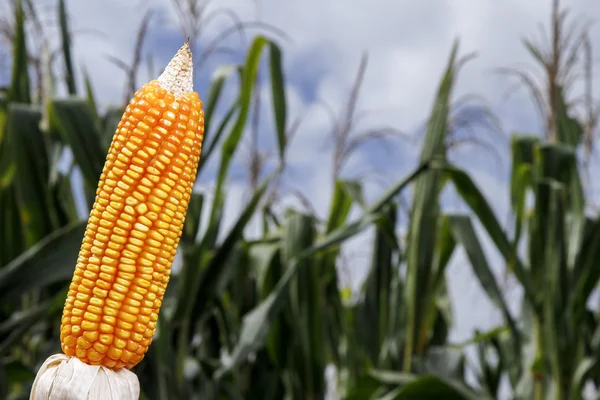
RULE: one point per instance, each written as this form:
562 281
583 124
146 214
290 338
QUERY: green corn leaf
12 239
32 173
262 256
51 260
7 165
90 96
471 195
279 98
588 271
345 194
15 328
108 125
376 307
18 373
558 333
19 86
464 233
439 311
64 201
73 121
271 270
249 73
215 90
192 219
65 36
208 150
424 217
341 203
569 130
559 162
444 250
304 311
522 178
584 369
425 387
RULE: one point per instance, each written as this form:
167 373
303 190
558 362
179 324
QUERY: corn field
257 310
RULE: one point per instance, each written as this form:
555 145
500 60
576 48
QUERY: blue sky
408 43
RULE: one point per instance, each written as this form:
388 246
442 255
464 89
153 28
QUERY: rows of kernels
133 231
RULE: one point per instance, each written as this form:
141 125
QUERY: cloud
109 28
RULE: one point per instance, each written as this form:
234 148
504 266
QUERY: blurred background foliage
263 314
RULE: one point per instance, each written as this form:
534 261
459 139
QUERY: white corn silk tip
67 378
178 74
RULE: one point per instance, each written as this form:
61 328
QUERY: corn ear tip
178 74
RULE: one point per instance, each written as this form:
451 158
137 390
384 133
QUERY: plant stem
537 368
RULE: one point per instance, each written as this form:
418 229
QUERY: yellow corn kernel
134 226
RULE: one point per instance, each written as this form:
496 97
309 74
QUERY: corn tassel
130 242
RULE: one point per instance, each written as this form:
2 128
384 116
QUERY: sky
407 42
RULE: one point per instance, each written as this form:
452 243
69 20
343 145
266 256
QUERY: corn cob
134 227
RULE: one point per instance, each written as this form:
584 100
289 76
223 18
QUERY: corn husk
66 378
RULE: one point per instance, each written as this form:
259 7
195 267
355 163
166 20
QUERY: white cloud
109 28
